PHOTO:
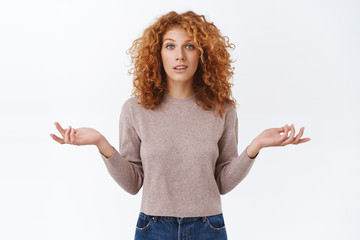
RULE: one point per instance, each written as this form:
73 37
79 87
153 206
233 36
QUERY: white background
296 62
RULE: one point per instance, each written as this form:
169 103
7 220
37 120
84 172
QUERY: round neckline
179 100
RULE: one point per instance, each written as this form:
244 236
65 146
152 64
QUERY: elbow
223 188
133 191
224 191
130 183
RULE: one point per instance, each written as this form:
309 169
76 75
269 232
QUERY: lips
180 67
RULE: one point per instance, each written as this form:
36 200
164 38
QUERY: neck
180 90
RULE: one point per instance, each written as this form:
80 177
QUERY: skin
276 137
79 136
178 49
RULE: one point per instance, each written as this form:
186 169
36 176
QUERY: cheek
195 60
165 60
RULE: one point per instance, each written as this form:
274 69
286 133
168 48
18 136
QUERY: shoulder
131 103
230 115
230 110
132 106
128 105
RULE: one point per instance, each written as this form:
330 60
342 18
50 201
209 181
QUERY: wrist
101 142
253 149
257 144
105 148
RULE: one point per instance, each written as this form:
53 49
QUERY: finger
284 136
291 137
66 135
303 140
56 138
281 129
286 131
293 131
59 128
72 137
69 132
299 135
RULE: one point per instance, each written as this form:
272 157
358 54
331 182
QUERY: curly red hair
211 80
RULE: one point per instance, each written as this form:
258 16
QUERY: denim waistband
175 219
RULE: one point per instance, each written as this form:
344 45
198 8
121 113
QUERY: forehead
176 32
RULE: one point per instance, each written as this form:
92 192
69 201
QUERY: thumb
282 129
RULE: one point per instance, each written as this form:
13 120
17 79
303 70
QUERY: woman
178 133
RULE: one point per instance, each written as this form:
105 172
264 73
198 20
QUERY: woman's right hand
79 136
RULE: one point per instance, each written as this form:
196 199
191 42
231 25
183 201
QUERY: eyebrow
175 41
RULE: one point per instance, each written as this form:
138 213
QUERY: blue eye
171 46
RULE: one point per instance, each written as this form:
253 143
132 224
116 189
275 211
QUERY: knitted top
183 156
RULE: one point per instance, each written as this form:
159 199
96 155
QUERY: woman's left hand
271 137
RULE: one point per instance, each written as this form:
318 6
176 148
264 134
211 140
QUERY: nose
180 55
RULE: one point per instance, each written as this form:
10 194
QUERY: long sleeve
125 165
231 168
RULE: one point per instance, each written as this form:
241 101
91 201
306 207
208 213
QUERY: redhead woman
178 131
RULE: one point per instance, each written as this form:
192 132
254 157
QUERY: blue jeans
175 228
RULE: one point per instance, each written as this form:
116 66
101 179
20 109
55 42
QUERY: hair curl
211 80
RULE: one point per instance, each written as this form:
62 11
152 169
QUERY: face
179 56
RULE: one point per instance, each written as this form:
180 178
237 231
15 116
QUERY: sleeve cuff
109 158
247 156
